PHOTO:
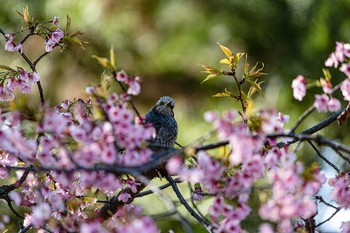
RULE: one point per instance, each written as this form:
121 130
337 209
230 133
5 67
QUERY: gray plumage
161 116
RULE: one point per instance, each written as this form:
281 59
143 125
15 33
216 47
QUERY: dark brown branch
302 117
182 200
322 157
148 192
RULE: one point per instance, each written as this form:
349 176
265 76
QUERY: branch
323 158
303 117
186 205
148 192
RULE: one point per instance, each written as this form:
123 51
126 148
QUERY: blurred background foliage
164 41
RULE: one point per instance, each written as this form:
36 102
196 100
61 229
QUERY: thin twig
322 157
303 117
330 217
148 192
186 205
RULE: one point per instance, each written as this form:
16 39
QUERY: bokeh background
164 42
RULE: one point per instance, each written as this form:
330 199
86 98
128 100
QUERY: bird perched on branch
161 116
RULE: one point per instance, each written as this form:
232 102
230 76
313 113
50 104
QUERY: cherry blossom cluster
20 79
71 140
341 190
10 45
250 161
132 82
326 102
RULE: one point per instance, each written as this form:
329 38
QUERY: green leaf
103 61
112 58
256 87
246 66
6 68
226 93
75 40
226 51
256 73
68 23
210 76
225 61
327 74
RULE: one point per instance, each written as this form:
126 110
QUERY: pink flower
56 20
41 213
134 86
332 61
345 68
299 87
334 105
49 45
124 196
57 35
174 164
321 102
122 76
341 191
326 86
345 89
345 227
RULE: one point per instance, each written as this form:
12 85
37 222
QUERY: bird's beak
168 104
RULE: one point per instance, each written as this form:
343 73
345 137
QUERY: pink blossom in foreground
341 190
333 105
338 56
299 87
345 227
345 89
134 86
321 103
345 68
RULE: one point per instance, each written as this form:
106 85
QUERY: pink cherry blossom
299 87
345 89
341 191
345 68
333 105
41 213
345 227
321 102
134 86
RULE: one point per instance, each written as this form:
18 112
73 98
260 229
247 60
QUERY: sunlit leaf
250 107
226 51
90 200
226 93
211 70
26 16
112 58
327 74
236 59
256 86
210 76
103 61
246 65
225 61
256 73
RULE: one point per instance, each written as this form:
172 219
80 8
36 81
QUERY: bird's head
165 105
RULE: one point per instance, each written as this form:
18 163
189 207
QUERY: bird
161 116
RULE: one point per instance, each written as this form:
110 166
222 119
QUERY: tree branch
186 205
